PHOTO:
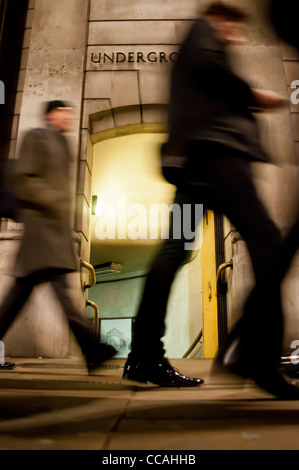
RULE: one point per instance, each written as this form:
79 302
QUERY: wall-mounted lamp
108 268
96 205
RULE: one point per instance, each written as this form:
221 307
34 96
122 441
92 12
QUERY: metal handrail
195 342
92 273
96 316
221 269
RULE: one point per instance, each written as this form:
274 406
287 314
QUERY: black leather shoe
276 383
104 352
269 377
7 366
157 372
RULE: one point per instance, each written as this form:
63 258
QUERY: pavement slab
53 404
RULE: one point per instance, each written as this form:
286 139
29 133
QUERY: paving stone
50 404
204 435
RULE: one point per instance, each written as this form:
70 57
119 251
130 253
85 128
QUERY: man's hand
268 99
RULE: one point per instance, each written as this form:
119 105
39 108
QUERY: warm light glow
99 207
128 168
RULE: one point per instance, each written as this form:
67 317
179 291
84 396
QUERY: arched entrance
127 184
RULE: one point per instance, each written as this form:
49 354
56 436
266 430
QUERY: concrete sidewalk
49 404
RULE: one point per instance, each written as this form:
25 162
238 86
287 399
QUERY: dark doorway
13 15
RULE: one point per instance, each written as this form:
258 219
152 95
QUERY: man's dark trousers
20 293
220 179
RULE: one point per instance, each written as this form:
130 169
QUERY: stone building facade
111 59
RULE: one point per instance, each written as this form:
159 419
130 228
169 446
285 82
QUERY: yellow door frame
208 251
209 287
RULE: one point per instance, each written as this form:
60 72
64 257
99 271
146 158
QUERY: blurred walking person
46 253
212 141
283 16
264 302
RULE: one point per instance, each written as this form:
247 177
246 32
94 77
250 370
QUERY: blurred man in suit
265 297
46 253
283 16
213 138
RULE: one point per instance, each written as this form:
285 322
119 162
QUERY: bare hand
268 99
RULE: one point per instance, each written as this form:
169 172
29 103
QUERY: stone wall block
127 115
289 52
84 182
135 32
155 113
291 71
83 216
154 87
295 120
102 122
91 107
151 9
86 149
58 24
27 38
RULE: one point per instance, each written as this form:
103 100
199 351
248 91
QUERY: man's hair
228 12
51 105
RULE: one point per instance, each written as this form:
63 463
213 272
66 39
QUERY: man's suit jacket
208 101
42 185
284 15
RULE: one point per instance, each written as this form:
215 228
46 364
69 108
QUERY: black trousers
19 294
220 179
259 344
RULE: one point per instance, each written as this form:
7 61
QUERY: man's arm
30 185
268 99
204 58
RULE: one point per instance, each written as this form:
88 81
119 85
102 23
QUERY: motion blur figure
283 15
264 300
213 138
46 254
265 297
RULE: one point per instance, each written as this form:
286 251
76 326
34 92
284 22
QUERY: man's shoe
157 372
7 366
104 352
276 383
270 378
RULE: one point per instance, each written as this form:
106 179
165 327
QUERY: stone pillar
55 70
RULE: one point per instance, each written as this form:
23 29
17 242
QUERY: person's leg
93 350
149 325
254 346
264 302
13 303
146 362
262 320
231 191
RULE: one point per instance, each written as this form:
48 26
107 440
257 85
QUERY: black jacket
208 101
284 15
